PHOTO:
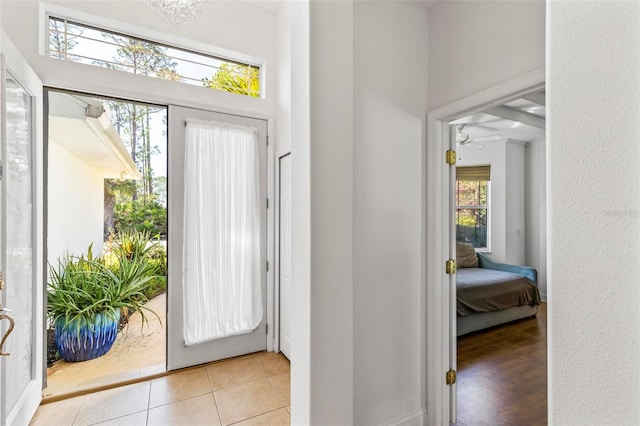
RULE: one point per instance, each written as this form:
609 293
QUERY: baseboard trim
417 418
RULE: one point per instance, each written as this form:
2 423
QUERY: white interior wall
593 105
76 206
390 133
493 154
283 74
331 192
282 136
514 204
474 45
535 211
230 25
301 379
592 101
590 63
507 195
363 236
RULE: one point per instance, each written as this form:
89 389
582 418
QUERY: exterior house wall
76 205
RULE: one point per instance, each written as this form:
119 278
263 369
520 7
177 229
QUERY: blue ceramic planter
90 342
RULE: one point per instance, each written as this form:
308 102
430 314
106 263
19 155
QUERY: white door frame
278 306
126 93
437 242
63 75
30 399
179 356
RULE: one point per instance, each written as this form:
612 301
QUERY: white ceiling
273 6
521 120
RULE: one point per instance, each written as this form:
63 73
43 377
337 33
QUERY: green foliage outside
134 244
471 211
120 281
143 214
235 78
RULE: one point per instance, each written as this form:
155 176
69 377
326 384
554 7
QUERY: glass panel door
18 272
219 254
21 289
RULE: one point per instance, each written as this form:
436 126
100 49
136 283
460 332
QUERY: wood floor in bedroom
502 374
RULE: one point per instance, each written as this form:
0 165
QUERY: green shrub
140 244
81 287
144 214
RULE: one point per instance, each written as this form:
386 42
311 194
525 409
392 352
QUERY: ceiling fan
464 139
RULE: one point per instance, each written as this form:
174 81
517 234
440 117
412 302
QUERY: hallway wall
474 45
594 231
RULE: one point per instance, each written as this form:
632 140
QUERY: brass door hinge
451 157
450 267
451 377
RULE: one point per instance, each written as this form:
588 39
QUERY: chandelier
179 11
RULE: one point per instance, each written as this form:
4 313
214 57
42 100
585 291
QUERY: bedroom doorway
477 209
498 214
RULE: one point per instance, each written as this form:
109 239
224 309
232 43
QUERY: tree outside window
472 211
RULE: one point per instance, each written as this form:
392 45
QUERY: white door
285 255
450 141
21 259
181 351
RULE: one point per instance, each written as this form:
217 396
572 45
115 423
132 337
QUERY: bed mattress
488 290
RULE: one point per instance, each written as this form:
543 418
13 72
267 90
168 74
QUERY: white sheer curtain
222 292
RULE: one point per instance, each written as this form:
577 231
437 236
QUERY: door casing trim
129 95
437 242
278 235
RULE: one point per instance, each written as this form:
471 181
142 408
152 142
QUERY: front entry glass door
217 236
21 253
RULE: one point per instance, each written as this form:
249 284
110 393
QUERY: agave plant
85 291
137 244
77 290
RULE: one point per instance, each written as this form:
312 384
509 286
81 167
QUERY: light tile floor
250 390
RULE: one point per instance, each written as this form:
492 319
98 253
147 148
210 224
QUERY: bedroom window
76 42
472 205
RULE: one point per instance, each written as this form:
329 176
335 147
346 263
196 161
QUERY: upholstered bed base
481 320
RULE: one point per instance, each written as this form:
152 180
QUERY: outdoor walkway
136 353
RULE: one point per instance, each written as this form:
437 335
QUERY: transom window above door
74 41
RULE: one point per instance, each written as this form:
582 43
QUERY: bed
491 293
